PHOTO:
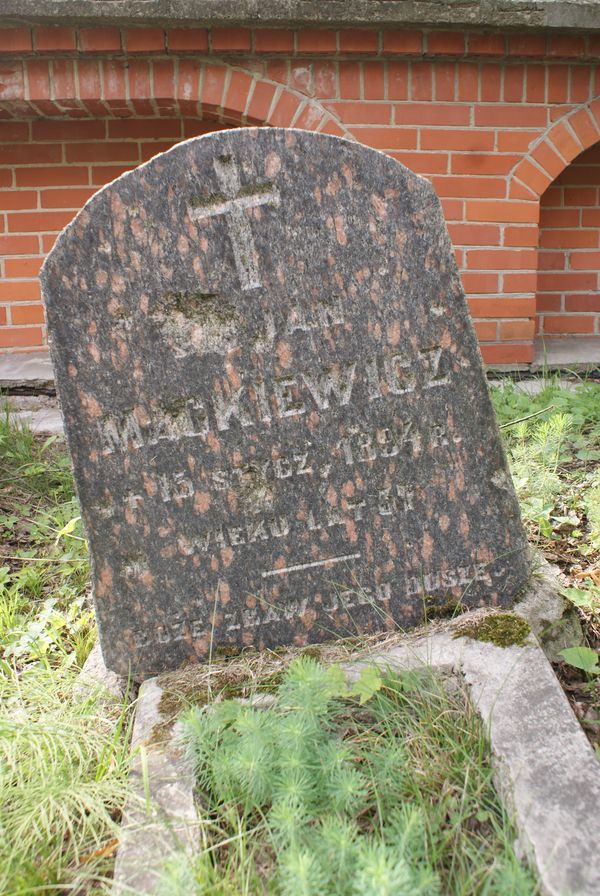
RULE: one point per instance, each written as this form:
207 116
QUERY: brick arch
559 145
212 90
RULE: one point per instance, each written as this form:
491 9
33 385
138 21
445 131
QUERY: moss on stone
501 629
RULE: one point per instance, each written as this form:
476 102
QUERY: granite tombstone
274 401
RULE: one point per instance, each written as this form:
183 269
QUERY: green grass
63 751
384 788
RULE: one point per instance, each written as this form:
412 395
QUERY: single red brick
20 291
445 81
357 41
560 281
469 139
27 314
433 114
584 261
362 113
98 40
237 92
566 324
51 177
515 330
110 151
373 80
386 138
580 89
20 337
88 74
144 40
36 222
510 212
521 236
187 39
510 116
278 70
501 259
446 43
397 76
54 37
514 83
261 101
582 303
423 162
491 82
312 40
570 45
324 79
213 84
22 267
38 79
536 84
487 44
403 42
421 74
30 153
470 186
283 114
14 131
349 80
15 40
548 302
520 282
65 198
273 40
230 39
581 196
44 129
526 44
500 306
476 282
468 81
486 331
507 354
18 199
483 163
475 234
558 83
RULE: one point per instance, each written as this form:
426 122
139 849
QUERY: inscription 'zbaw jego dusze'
273 395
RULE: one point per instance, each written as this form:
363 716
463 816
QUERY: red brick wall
569 260
490 119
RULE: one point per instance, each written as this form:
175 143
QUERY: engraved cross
237 200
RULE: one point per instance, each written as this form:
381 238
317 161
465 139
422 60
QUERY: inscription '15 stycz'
284 397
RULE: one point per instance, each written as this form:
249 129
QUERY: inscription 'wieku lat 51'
274 401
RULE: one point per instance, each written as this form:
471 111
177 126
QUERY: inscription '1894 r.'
274 400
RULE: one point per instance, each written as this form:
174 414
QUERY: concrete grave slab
275 402
546 771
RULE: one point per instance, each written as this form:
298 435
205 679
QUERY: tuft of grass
63 778
45 609
63 750
381 787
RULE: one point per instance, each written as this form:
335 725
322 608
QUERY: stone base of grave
546 771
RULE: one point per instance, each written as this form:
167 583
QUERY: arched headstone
274 401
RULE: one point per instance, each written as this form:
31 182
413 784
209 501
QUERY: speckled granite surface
274 400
